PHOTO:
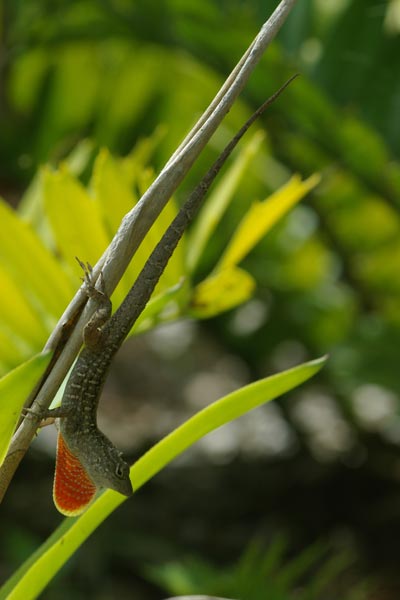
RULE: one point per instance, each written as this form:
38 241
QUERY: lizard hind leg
73 489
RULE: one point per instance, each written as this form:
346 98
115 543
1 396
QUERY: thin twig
133 229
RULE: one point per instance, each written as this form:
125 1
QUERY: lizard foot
44 417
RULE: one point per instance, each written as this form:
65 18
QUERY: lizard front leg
46 417
93 335
93 332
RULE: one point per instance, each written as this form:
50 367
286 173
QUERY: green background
323 463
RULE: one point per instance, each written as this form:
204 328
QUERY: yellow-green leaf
32 577
112 189
12 350
157 306
175 268
34 270
17 314
221 291
142 152
262 216
14 389
30 206
74 218
218 201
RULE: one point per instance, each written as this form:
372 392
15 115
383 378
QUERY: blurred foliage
263 574
14 389
109 70
112 71
59 219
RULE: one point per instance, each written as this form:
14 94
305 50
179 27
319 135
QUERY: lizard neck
82 392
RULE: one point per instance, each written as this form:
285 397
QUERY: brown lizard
86 459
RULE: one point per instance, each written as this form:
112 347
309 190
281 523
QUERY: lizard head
80 473
107 469
117 476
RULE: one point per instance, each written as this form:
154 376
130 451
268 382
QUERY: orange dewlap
73 490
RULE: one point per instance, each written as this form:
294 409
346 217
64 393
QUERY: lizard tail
73 490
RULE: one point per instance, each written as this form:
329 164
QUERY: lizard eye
119 471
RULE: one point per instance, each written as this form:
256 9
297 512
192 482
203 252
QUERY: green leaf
220 292
144 150
154 310
12 351
133 82
14 389
30 264
112 189
17 315
26 78
31 578
262 216
112 184
74 218
174 271
30 205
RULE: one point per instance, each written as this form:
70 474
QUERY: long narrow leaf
30 264
262 216
219 200
40 568
14 388
221 291
74 218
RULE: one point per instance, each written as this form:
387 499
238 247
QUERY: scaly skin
86 459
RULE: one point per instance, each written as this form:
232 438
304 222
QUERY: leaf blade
221 291
218 201
74 218
262 216
19 241
14 388
31 578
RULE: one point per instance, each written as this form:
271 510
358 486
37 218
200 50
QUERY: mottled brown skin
104 335
102 461
78 426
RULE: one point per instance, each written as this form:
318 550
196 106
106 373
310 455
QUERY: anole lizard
86 459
